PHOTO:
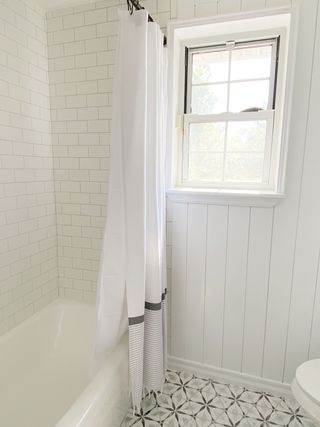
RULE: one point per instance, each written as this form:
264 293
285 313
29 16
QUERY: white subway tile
63 36
88 60
64 63
87 87
54 24
75 76
96 45
72 21
107 29
85 33
95 16
74 48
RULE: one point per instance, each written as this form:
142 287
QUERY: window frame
265 115
190 51
282 21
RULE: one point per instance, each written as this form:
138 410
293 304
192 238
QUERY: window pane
246 136
210 67
251 63
209 99
207 136
249 95
244 167
205 166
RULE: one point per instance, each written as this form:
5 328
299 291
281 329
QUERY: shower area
57 76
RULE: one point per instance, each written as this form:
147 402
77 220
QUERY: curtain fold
132 278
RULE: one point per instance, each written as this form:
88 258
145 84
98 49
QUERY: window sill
225 197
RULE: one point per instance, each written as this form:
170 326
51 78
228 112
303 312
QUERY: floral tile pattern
189 401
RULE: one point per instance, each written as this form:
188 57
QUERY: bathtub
44 365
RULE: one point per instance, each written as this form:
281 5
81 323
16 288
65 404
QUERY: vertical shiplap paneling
257 289
179 277
206 9
286 241
285 220
236 274
308 236
252 4
215 284
196 262
314 346
185 9
229 6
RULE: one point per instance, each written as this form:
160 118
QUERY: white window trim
178 34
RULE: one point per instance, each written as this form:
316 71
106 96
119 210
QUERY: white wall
28 269
244 279
81 61
245 291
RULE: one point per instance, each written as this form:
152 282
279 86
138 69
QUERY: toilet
306 388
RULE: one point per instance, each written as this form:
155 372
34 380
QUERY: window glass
248 95
251 63
209 99
207 136
247 135
210 67
227 151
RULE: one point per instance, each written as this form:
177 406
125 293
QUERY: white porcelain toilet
306 388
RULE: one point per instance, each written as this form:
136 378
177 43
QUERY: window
229 103
229 114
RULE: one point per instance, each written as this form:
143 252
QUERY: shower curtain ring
130 7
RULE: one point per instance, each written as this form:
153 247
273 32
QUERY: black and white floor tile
189 401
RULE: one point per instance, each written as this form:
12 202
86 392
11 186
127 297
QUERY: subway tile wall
28 245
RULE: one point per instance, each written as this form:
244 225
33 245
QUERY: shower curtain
132 280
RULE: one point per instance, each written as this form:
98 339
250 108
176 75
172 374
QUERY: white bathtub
44 365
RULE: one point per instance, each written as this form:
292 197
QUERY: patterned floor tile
188 401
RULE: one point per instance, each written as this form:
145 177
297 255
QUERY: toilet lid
308 377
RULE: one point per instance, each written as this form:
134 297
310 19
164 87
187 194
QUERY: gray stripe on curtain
153 350
136 346
136 320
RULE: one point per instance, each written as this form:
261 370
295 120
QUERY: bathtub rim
59 302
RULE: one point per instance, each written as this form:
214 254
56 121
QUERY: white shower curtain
132 279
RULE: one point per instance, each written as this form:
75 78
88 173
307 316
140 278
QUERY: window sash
274 42
267 116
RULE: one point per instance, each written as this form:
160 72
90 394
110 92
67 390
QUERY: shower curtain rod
135 5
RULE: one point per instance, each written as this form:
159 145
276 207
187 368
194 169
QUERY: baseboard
227 376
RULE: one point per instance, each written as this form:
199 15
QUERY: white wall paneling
235 286
314 347
195 280
260 269
215 284
179 278
305 269
286 214
260 239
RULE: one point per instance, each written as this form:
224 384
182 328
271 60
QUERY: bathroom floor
190 401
